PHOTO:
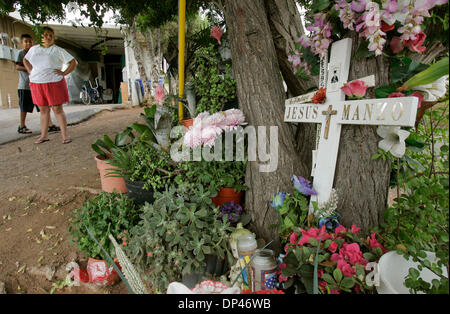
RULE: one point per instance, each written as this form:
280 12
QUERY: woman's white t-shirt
45 61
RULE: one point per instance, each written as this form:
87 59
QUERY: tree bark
261 97
154 48
362 183
286 27
138 53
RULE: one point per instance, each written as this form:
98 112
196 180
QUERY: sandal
24 130
54 128
67 141
40 141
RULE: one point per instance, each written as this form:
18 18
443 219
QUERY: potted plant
145 164
189 104
104 149
225 179
144 169
106 213
177 234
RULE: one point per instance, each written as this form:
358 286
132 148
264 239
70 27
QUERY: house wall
9 76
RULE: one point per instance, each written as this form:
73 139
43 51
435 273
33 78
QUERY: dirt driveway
39 186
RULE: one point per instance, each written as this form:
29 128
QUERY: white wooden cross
337 111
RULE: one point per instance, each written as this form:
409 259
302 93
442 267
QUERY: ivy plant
212 79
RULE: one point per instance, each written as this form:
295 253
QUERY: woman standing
47 83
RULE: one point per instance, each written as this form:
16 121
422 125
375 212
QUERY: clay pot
187 123
227 195
109 184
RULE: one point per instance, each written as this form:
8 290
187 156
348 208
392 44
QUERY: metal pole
181 47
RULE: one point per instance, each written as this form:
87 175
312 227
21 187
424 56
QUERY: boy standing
25 100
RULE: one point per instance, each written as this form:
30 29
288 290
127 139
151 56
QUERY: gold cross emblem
328 113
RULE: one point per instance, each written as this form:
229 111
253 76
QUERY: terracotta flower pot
109 184
227 195
187 123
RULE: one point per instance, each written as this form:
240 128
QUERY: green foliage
293 214
142 162
404 68
418 220
175 234
215 174
104 147
430 74
319 5
408 73
106 213
212 79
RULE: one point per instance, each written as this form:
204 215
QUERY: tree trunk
362 183
286 27
261 97
138 54
154 47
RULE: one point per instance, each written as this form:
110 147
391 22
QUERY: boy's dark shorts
26 101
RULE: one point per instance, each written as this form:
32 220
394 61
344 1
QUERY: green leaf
414 143
337 274
363 51
288 222
289 271
313 242
384 91
431 74
348 282
369 256
319 5
327 277
108 141
414 273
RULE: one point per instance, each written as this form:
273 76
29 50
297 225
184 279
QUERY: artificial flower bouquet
342 258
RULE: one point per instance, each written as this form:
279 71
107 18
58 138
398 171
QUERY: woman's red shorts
50 94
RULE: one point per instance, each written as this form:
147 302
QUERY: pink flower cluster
297 62
372 22
320 38
346 254
159 95
349 255
207 127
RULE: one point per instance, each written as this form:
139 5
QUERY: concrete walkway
9 119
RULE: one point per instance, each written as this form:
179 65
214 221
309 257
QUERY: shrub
175 233
106 213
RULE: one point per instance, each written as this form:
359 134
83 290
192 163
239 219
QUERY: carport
100 53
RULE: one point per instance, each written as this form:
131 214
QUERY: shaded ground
40 186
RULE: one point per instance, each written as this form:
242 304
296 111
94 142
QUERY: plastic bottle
246 248
264 269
